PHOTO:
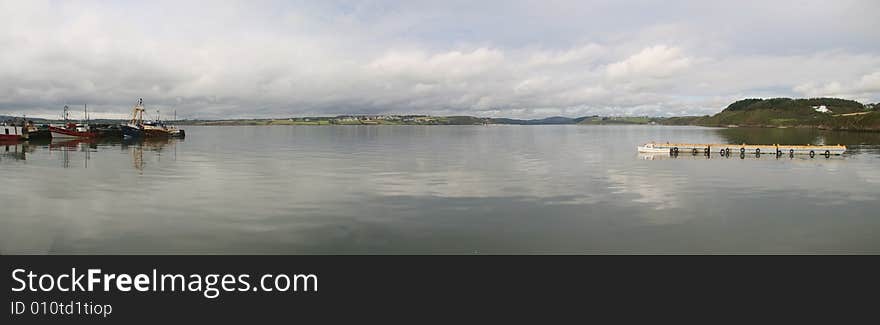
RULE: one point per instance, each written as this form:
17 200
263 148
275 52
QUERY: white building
822 109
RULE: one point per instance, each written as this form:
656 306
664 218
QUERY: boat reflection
66 146
137 146
150 144
14 149
85 149
72 144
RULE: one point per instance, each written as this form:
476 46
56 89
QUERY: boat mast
137 114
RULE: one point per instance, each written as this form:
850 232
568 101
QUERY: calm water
439 189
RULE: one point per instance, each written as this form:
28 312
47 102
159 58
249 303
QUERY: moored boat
176 133
155 129
12 133
134 127
35 132
70 129
131 131
137 127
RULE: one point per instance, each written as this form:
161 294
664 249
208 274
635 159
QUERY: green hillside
843 114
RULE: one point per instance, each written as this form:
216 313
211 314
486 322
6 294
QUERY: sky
520 59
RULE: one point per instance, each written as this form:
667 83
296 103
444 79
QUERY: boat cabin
11 132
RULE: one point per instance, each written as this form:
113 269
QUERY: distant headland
820 113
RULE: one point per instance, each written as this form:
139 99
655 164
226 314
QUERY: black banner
421 288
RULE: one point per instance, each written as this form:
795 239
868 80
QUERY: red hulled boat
12 133
70 129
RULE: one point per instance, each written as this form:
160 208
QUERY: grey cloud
511 58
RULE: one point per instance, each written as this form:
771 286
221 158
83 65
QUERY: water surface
439 189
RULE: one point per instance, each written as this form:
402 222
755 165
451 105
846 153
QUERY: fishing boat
134 127
71 129
131 131
35 132
757 149
12 133
175 132
156 129
137 127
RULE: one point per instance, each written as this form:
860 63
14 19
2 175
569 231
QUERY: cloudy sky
524 59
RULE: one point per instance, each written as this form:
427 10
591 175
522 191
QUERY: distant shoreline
664 123
815 113
658 121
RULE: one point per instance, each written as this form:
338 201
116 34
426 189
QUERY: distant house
822 109
346 118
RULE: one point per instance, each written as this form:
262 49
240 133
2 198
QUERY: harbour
20 129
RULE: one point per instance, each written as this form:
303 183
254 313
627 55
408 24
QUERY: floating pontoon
726 149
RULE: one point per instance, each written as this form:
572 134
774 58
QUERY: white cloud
865 88
584 54
658 61
869 83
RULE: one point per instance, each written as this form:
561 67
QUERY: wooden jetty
757 149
